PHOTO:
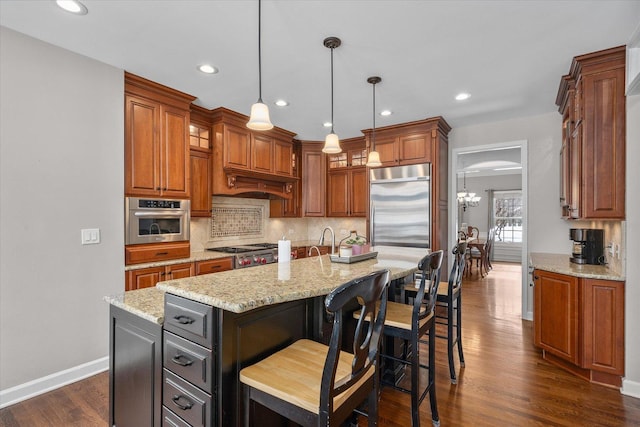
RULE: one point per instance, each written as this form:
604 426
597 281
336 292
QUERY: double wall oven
150 220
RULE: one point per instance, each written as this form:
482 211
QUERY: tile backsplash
243 220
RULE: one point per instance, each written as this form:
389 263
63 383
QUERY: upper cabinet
591 99
314 166
156 139
246 161
200 172
347 187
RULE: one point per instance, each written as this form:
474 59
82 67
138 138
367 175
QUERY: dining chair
314 384
411 322
450 299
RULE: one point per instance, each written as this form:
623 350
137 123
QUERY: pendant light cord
373 134
332 91
260 51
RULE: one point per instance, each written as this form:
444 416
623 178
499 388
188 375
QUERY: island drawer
192 362
169 419
190 319
187 401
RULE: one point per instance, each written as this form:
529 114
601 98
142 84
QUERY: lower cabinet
135 370
214 266
579 324
148 277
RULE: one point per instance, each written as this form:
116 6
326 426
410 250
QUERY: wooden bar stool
410 322
449 298
317 385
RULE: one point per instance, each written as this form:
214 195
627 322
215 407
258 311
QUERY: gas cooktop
240 249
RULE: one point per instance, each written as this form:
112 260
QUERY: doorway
483 170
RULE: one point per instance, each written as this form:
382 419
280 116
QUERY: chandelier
466 199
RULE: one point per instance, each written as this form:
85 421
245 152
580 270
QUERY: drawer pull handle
162 253
184 407
182 360
184 320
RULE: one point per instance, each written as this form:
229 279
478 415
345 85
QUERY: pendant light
374 157
331 142
259 119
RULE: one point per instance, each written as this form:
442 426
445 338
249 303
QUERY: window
507 215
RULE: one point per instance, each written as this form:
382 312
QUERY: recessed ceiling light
281 103
72 6
462 96
208 69
386 112
327 124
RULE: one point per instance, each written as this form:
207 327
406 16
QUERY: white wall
61 146
631 383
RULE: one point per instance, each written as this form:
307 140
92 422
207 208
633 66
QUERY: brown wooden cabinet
313 179
149 277
156 139
592 101
200 154
153 252
579 323
288 208
347 187
213 265
248 162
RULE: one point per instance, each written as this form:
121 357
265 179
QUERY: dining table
480 245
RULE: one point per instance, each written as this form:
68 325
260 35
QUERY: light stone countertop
147 303
249 288
559 263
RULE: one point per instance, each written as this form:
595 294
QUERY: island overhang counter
225 321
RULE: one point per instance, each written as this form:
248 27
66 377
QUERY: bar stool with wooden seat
317 385
410 322
449 298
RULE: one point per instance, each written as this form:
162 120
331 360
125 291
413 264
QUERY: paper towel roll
284 250
284 270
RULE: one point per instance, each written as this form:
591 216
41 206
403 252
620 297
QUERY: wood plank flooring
505 381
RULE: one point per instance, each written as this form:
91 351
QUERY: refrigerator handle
372 241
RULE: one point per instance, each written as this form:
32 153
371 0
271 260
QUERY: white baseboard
51 382
630 388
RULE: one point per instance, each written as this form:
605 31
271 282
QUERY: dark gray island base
215 325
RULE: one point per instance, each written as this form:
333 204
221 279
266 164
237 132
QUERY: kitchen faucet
312 248
333 239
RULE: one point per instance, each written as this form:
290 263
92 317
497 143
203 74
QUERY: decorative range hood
251 163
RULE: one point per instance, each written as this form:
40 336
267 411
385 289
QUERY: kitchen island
225 321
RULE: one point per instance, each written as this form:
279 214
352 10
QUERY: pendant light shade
259 119
374 157
332 142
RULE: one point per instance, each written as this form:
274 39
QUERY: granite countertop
245 289
559 263
147 303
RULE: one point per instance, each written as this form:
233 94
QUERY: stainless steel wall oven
150 220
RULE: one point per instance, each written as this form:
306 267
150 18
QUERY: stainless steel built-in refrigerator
400 206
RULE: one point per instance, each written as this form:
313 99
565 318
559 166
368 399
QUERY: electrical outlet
611 248
616 251
291 231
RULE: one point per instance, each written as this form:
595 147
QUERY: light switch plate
90 236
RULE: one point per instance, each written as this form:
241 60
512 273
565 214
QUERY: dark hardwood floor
505 381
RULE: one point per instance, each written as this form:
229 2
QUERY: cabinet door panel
262 154
179 271
174 158
283 158
415 149
555 314
359 191
313 181
603 145
338 203
603 319
141 153
388 151
200 177
144 278
236 147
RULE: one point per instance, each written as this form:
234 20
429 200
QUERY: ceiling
509 55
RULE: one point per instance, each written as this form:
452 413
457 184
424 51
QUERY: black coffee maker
588 245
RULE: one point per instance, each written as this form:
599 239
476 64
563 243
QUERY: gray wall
61 146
